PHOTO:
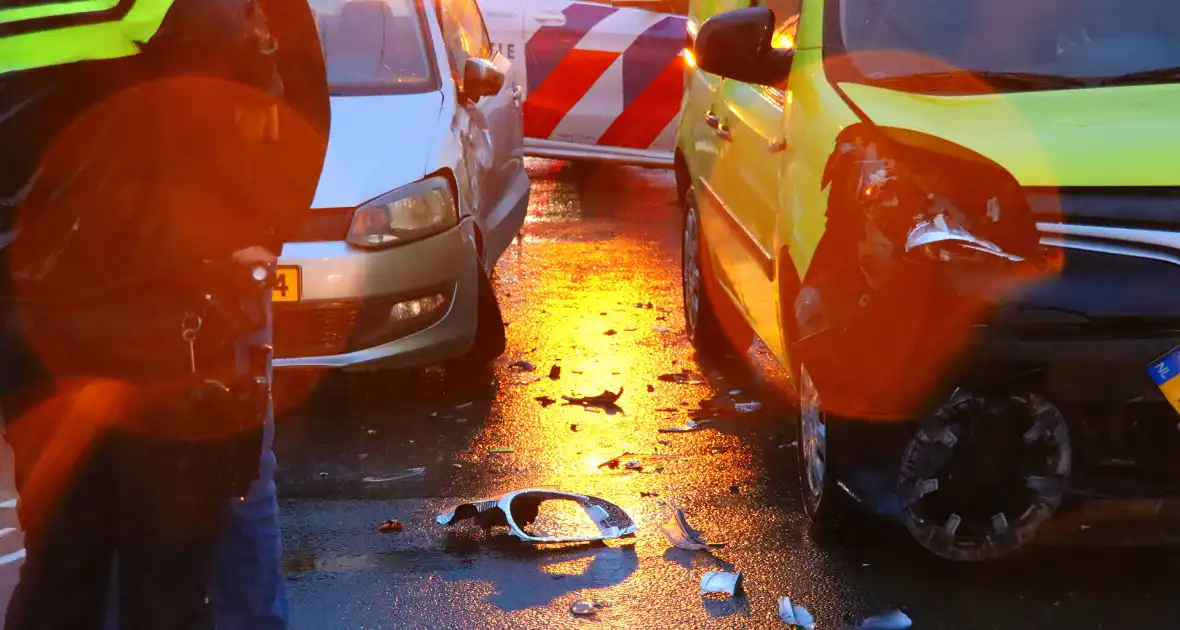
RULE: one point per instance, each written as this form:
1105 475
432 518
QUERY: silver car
423 189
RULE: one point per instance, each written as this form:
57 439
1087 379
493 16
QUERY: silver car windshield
375 46
1075 39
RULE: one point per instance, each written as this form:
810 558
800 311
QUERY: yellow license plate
287 285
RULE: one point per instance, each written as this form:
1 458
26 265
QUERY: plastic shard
720 582
683 535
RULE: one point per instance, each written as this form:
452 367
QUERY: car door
700 142
604 74
493 142
750 120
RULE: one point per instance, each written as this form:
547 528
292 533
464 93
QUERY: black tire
490 337
700 320
825 503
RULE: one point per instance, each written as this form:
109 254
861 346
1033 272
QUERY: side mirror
737 45
481 78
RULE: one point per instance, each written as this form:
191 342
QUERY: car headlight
408 214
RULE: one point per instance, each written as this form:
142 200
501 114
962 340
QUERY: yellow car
957 226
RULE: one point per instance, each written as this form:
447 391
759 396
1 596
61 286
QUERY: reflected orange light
782 41
690 59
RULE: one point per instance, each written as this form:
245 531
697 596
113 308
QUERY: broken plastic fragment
555 372
661 329
390 526
683 535
720 582
794 616
544 400
496 451
610 332
585 607
747 407
888 620
410 473
520 508
684 377
691 425
606 399
523 366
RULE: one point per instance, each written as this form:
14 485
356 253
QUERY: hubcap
814 436
691 271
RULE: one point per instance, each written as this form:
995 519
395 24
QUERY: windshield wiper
1158 75
969 81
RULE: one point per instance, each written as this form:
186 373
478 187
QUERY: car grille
1152 208
325 328
318 331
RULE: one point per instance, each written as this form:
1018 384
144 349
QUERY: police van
600 80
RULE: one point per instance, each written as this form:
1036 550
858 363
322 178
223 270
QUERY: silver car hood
377 144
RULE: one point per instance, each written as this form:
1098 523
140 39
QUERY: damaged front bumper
940 280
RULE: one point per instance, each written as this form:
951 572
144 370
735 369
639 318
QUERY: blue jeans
249 592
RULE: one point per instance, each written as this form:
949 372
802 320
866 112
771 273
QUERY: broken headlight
942 209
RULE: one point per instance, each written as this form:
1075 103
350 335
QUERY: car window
374 46
464 32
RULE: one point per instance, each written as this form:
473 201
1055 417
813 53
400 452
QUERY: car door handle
723 132
550 19
711 119
775 146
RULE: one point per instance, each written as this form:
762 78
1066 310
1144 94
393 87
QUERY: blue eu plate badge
1165 371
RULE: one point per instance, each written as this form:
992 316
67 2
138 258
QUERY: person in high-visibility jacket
151 166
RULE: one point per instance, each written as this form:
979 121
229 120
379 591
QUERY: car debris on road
631 461
390 526
523 366
720 582
520 508
888 620
794 616
584 607
684 535
409 474
606 400
683 377
691 425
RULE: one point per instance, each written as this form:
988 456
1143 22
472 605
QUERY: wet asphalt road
599 241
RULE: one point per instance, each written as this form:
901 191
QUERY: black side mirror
480 79
737 45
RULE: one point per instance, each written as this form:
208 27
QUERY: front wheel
490 336
824 502
700 321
